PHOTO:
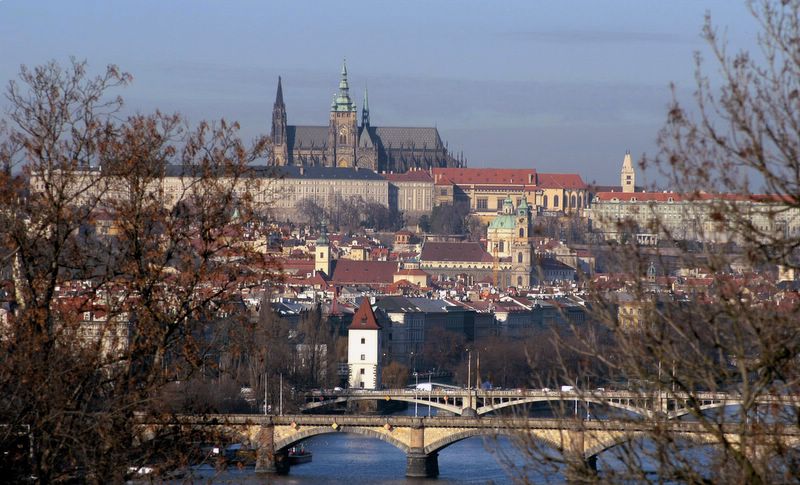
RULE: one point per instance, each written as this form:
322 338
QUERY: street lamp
416 388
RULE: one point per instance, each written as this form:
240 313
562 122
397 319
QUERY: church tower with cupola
322 255
343 126
521 248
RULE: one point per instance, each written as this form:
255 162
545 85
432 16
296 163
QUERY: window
363 357
482 204
628 178
572 202
544 201
363 341
580 201
499 203
521 232
362 372
443 192
555 201
321 255
519 257
342 139
500 246
361 384
519 280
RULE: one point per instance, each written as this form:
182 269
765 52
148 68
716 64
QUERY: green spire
342 101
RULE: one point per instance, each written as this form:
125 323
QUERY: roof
364 318
503 221
676 197
411 176
483 176
347 271
561 181
454 251
418 137
307 136
327 173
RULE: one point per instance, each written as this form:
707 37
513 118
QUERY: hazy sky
559 85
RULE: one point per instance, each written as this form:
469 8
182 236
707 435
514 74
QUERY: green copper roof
342 101
505 221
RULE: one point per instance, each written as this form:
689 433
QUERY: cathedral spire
365 109
279 95
342 101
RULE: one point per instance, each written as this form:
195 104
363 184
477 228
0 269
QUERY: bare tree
738 334
159 278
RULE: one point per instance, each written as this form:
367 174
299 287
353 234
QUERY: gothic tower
280 155
343 127
367 152
627 175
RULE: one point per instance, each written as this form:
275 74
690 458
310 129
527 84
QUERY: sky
559 86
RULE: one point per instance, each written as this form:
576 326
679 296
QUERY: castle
343 143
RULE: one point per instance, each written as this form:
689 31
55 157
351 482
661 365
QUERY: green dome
505 221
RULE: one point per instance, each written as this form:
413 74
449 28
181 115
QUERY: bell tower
627 175
343 127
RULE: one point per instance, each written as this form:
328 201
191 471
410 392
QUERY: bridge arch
409 399
453 438
308 432
631 409
686 411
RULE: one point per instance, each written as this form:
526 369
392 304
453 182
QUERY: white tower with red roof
363 348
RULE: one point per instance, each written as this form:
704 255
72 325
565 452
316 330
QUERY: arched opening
573 202
519 257
521 232
357 456
580 201
544 201
342 139
555 201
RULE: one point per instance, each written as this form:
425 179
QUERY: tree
739 334
151 287
313 213
394 376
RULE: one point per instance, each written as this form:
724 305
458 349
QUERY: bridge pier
268 460
418 463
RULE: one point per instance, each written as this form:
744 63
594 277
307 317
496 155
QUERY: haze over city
560 87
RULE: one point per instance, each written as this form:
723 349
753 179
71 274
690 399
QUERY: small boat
298 455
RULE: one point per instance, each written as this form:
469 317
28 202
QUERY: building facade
485 189
345 143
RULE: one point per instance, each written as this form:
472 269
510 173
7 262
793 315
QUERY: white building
363 348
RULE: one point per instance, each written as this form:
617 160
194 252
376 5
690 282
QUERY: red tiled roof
411 272
479 176
364 318
347 271
561 181
454 251
676 197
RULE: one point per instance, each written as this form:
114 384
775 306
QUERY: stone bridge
422 438
473 402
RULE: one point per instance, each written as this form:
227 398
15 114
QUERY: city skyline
555 88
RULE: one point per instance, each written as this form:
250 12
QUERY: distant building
343 143
411 192
646 216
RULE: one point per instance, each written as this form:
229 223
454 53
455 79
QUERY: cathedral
343 143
